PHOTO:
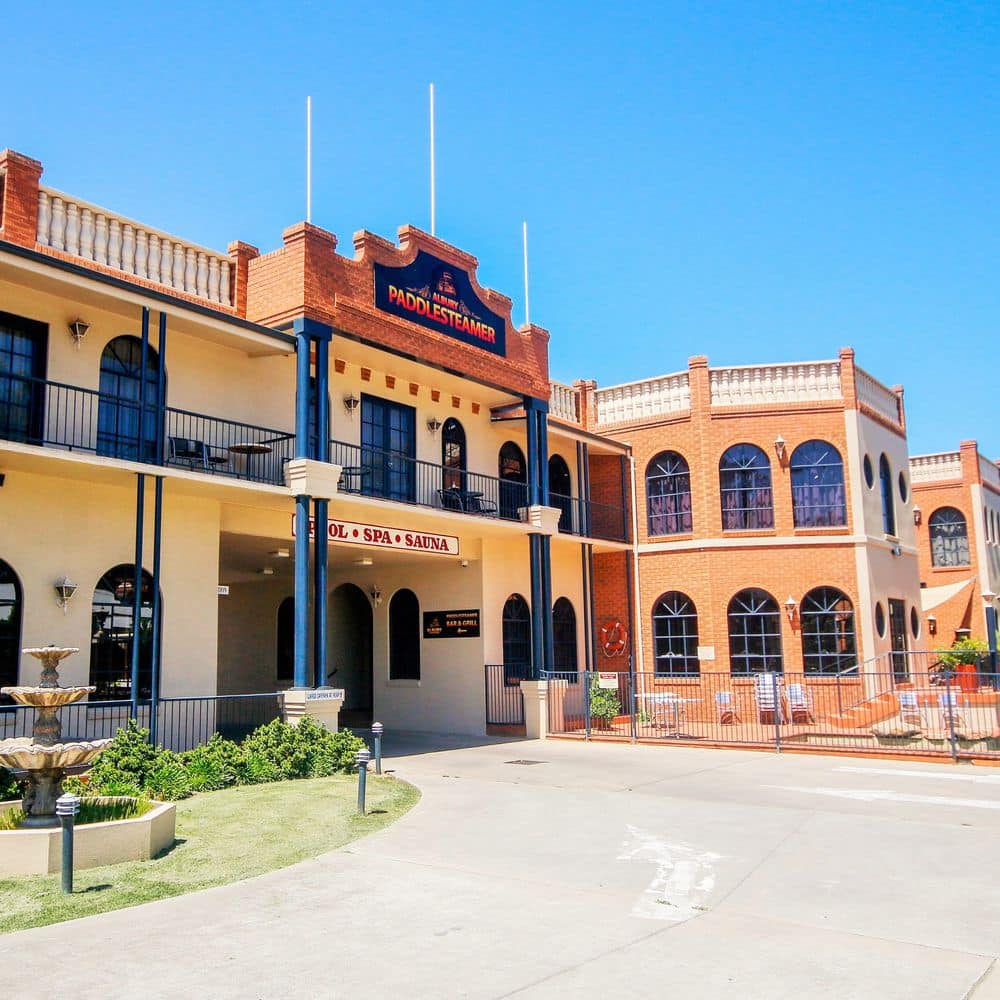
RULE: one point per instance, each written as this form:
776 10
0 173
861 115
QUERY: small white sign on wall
706 652
223 590
606 679
326 694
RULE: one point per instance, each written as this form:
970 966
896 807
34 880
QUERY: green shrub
168 781
9 788
259 769
604 703
128 760
965 650
308 750
215 764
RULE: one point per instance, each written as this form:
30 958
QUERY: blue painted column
140 443
161 391
140 511
536 411
154 689
321 339
301 658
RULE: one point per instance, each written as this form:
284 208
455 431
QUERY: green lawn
221 837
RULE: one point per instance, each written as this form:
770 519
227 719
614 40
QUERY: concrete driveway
601 870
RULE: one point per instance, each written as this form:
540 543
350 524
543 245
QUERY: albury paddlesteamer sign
451 624
385 537
439 296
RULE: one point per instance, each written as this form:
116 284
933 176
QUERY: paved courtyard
602 870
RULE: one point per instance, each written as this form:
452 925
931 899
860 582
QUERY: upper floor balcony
50 414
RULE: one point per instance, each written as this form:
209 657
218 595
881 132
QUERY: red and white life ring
614 638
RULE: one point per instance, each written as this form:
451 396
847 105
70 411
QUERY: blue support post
154 692
143 358
585 491
161 391
302 350
548 639
301 660
537 599
320 551
140 505
542 416
991 639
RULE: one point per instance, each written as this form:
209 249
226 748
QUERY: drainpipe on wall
637 643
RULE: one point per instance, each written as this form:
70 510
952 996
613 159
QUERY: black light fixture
434 425
78 330
351 403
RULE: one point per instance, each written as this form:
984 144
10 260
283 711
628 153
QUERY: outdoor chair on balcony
799 703
476 503
451 498
951 716
909 710
725 707
195 454
768 695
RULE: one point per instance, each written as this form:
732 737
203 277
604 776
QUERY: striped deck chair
799 703
725 707
768 695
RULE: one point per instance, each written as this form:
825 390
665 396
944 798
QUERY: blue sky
752 181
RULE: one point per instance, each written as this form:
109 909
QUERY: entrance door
22 371
897 638
350 652
388 448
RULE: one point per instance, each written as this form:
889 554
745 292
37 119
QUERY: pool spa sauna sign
439 296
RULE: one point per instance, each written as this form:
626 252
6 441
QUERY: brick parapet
19 214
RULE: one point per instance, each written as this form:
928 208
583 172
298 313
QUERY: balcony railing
54 415
51 414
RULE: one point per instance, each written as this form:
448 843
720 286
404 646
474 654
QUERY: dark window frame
668 495
404 636
675 636
515 631
566 659
754 626
828 632
819 499
11 626
949 545
746 494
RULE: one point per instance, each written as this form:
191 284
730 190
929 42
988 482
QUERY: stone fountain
43 755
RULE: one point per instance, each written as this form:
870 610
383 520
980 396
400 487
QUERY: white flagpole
527 308
309 156
432 163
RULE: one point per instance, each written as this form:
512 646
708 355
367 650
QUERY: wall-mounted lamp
65 588
989 597
78 330
779 447
434 425
376 595
932 624
918 515
351 403
790 605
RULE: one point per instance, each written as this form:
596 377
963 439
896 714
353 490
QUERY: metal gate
504 701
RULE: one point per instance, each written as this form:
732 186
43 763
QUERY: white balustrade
653 397
93 233
753 385
933 468
878 398
988 471
564 403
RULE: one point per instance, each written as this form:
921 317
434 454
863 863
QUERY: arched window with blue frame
745 487
818 499
121 385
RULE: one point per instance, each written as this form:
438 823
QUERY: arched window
668 494
564 638
112 613
453 455
560 491
949 538
513 473
745 485
10 626
818 486
118 407
516 639
404 636
885 484
284 657
675 635
754 633
828 643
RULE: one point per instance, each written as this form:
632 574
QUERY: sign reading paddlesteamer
451 624
439 296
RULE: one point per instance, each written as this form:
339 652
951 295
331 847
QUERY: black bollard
67 806
362 757
377 729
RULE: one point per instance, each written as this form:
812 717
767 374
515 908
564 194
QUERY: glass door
22 374
388 449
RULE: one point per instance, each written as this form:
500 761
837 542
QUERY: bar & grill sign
439 296
451 624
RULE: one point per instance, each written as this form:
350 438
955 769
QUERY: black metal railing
927 707
587 518
55 415
391 475
504 701
182 723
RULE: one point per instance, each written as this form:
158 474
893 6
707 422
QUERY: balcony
54 415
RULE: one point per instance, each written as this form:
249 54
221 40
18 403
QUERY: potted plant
604 705
963 658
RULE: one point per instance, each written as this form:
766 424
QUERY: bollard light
377 729
67 808
361 758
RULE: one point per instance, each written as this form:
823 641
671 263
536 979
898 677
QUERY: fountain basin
25 753
47 697
37 851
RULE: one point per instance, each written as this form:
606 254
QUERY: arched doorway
112 611
350 652
10 627
560 491
118 418
284 653
404 636
513 473
564 639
